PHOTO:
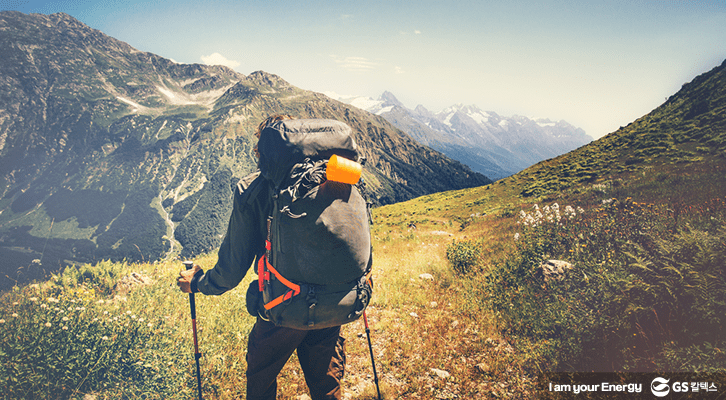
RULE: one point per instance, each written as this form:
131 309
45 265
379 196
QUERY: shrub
647 291
102 276
464 256
678 299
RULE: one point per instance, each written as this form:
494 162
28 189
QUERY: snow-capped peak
364 103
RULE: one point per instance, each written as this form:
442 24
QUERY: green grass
647 286
81 333
137 341
63 339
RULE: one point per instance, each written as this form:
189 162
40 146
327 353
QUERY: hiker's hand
184 281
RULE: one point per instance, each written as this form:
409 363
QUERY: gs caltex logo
660 387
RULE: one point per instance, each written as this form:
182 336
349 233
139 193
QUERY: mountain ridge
85 118
489 143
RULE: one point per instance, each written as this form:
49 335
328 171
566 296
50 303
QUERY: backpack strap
294 289
264 268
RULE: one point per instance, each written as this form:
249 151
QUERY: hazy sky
596 64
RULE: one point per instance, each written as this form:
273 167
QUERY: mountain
683 138
645 238
485 141
108 152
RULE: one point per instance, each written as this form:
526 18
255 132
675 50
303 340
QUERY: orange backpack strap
262 272
294 289
264 268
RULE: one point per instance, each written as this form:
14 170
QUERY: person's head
264 124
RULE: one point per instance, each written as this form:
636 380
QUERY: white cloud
398 70
355 64
418 32
218 59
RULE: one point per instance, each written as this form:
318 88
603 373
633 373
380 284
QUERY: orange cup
343 170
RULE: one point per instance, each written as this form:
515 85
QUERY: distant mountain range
494 145
108 152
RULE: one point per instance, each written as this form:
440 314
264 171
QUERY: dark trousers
321 354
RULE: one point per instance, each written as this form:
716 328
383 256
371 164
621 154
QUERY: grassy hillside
452 320
460 308
690 127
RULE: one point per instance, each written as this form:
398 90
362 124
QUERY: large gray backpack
316 269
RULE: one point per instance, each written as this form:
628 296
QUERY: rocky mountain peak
107 152
389 99
423 111
266 79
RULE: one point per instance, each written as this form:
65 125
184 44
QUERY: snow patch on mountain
174 98
136 106
384 110
366 103
480 117
447 120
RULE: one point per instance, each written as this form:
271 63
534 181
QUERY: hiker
297 306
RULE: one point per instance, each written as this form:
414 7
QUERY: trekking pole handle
193 307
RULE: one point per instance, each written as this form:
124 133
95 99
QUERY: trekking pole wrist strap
195 281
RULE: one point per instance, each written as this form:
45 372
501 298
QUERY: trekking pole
197 354
370 347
